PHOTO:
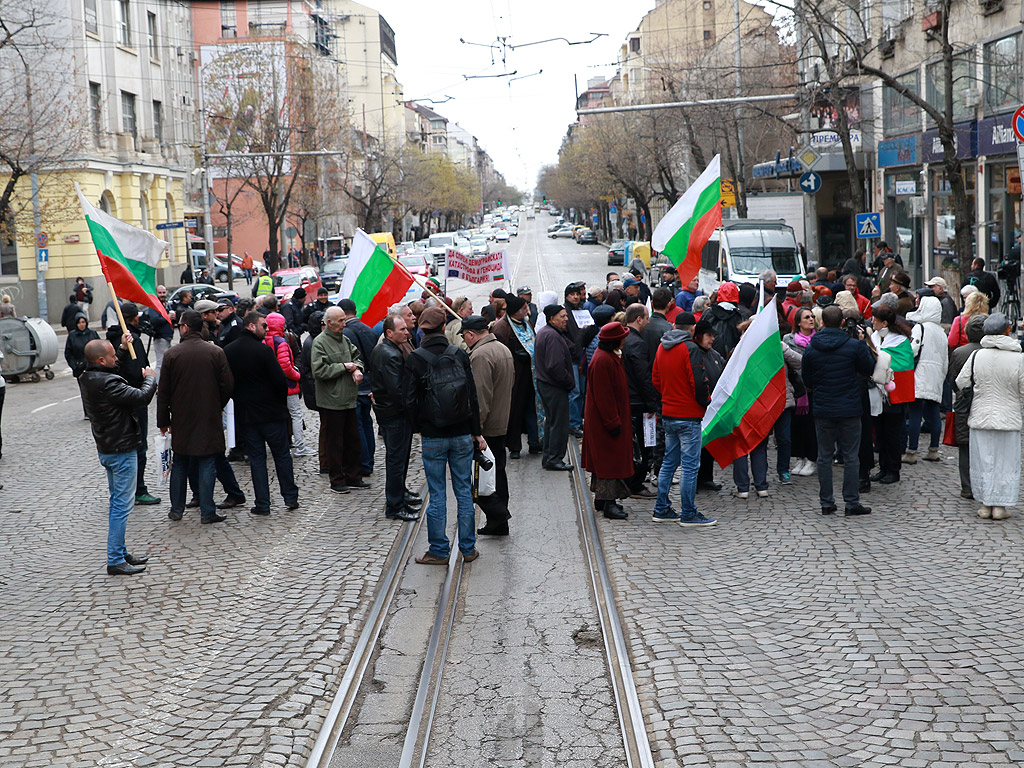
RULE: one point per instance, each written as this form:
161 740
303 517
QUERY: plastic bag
486 479
163 457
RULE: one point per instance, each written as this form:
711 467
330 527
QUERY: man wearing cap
493 374
132 372
293 311
898 285
574 293
320 305
886 268
525 293
940 290
725 319
595 298
631 288
987 282
518 335
264 285
388 359
446 444
554 370
229 324
685 297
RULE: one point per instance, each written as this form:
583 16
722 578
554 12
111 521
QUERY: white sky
520 124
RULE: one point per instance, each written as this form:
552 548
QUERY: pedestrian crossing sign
869 225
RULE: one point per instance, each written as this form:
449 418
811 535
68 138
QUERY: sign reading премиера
493 267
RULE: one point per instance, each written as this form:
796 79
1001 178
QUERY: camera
482 460
1009 270
145 325
851 328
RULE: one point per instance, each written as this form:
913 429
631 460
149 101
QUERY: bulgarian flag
128 256
686 229
902 363
372 279
751 393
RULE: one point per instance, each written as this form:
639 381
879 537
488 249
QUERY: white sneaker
740 494
1000 513
303 452
762 494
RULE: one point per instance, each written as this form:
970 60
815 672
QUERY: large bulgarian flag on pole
128 256
687 227
902 363
372 279
751 393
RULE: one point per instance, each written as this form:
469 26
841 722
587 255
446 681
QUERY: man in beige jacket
493 373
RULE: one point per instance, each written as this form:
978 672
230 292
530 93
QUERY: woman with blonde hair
975 304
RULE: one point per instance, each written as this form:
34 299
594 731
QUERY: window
707 5
1002 73
91 20
963 82
438 139
96 110
634 45
8 247
128 122
124 23
228 23
158 121
151 36
900 114
707 34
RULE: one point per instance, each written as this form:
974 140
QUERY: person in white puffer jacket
928 341
996 372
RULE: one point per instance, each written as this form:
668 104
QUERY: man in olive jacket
195 385
337 371
111 404
493 374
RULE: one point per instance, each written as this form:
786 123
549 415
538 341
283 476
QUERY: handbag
949 432
965 397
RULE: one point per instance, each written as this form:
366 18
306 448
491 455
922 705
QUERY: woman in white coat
928 341
997 373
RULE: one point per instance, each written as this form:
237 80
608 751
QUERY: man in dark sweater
574 295
261 411
553 367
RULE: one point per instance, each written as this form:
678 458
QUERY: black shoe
558 466
860 509
125 569
339 488
294 504
174 514
514 454
132 560
411 500
829 510
257 511
493 530
405 514
215 518
231 501
358 484
709 485
192 503
575 432
876 476
323 472
889 479
236 455
614 511
535 449
865 486
366 473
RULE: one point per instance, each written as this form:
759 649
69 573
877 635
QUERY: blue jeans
929 411
205 469
577 398
784 440
682 446
758 465
456 453
256 437
121 470
367 445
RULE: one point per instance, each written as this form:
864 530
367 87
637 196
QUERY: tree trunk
231 264
856 187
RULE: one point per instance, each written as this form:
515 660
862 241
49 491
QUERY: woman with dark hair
890 331
803 438
608 438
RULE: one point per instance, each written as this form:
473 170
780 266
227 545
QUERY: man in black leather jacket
111 403
387 361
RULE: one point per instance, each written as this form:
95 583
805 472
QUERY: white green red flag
128 256
901 356
372 279
687 227
751 393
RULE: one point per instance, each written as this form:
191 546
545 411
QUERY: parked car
416 263
287 280
556 225
586 236
501 236
561 232
514 230
426 257
202 291
220 270
617 253
479 246
332 274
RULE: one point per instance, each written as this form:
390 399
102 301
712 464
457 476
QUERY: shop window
8 247
900 114
943 215
964 83
1002 84
228 22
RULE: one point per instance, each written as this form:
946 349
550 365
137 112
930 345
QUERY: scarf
802 340
525 334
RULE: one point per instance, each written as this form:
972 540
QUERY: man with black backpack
439 396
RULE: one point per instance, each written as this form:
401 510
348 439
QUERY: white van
440 242
742 248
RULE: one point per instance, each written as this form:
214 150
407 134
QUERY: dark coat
261 388
606 409
725 322
293 311
387 361
67 317
655 329
573 331
413 388
110 402
503 331
360 334
987 284
638 364
74 347
130 369
195 384
553 359
833 369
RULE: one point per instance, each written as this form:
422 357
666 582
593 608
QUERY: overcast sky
520 123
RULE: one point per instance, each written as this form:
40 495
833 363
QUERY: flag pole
120 317
440 301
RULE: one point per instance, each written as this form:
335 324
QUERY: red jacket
609 456
680 377
276 341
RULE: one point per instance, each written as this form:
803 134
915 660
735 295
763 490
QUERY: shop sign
824 141
995 136
897 152
906 188
1012 180
965 141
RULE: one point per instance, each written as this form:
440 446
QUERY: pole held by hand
120 317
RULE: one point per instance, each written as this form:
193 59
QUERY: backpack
445 399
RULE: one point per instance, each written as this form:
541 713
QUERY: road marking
69 399
43 407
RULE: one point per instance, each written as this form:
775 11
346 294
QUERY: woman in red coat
608 434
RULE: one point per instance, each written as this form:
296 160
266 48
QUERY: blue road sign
171 225
869 225
612 210
810 182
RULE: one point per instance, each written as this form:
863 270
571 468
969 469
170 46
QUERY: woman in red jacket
278 341
608 435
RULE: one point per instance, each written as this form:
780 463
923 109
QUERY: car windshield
478 241
338 265
439 241
412 261
751 261
294 278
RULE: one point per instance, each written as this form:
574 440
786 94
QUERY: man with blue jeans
680 376
438 372
111 405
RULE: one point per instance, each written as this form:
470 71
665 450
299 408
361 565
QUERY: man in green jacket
337 371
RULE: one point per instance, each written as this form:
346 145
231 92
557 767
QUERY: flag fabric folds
372 279
901 355
687 227
751 393
128 256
